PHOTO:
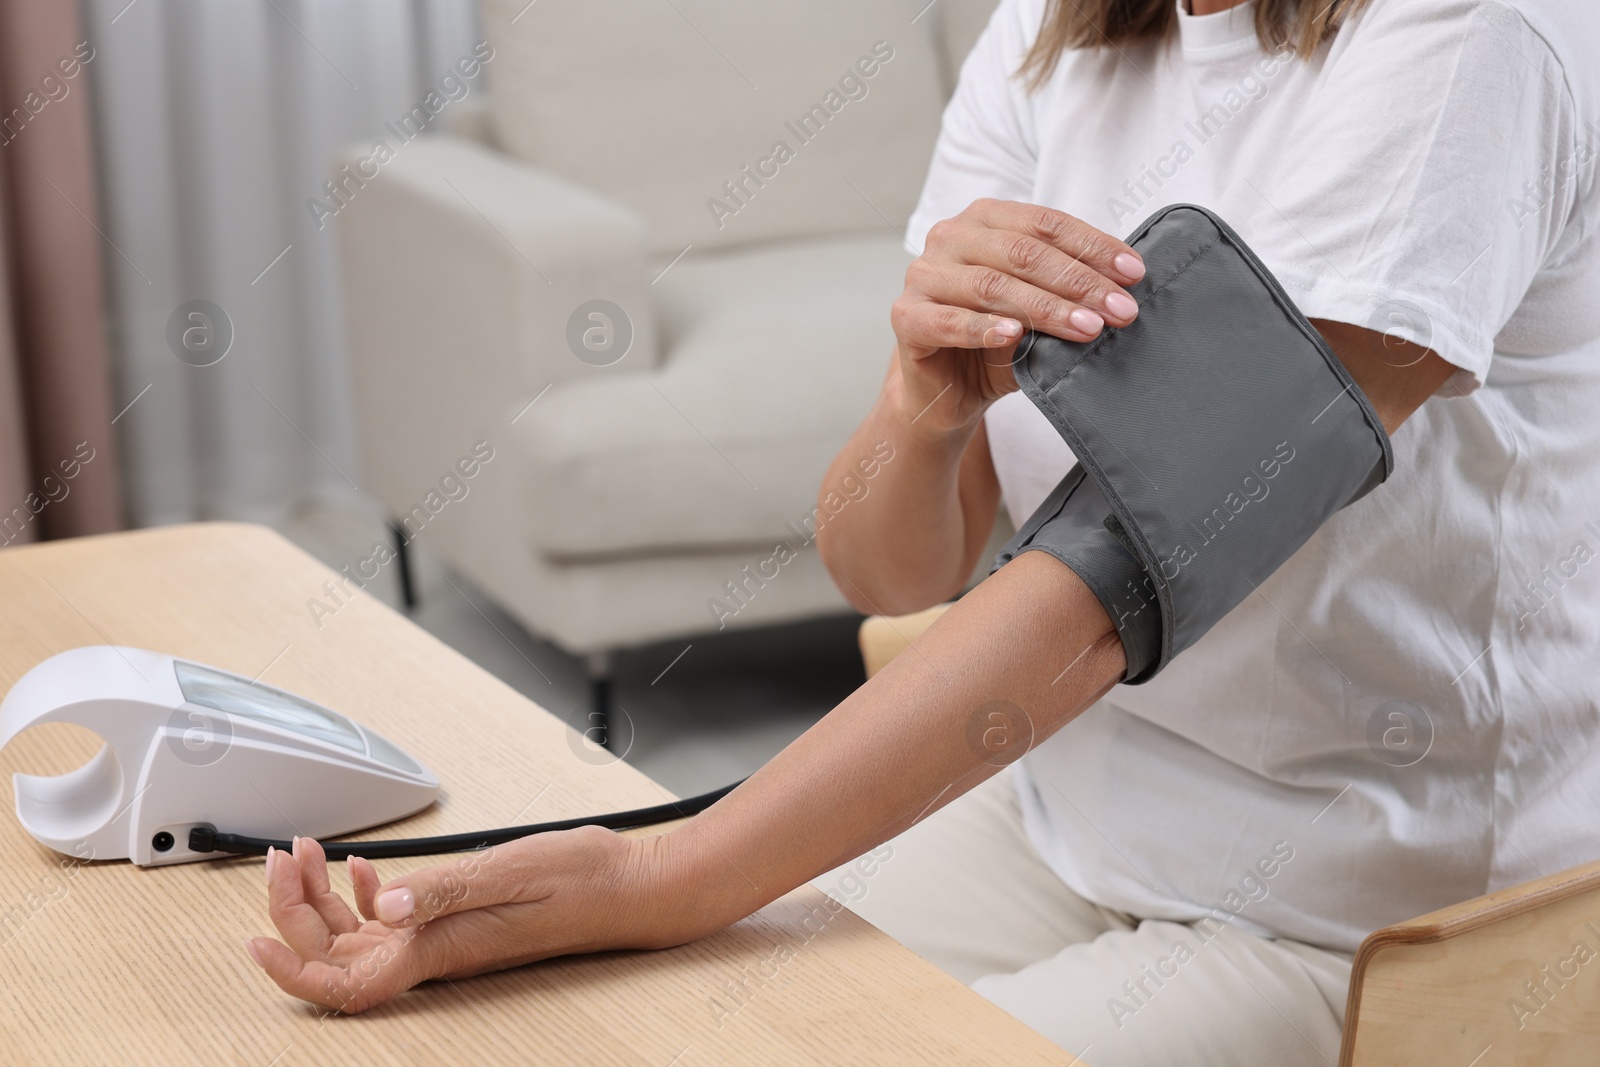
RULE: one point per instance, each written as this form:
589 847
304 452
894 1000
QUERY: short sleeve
986 145
1426 185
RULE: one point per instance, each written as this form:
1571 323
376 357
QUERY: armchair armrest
1517 970
470 120
883 637
462 268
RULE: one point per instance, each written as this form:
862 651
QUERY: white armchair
625 501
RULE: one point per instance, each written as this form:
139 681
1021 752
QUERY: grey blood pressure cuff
1216 434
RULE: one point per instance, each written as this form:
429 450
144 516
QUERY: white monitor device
188 745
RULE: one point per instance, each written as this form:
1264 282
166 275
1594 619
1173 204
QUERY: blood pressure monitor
200 763
187 746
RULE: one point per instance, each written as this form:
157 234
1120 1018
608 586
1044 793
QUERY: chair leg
599 668
402 552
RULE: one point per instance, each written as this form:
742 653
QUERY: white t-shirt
1430 172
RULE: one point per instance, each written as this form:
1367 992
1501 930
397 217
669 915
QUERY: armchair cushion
771 359
658 103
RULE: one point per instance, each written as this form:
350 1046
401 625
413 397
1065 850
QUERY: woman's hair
1298 24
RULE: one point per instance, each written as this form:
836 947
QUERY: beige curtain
216 121
59 473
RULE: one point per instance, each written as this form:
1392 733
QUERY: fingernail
997 337
294 847
1121 306
250 947
272 854
1086 321
1008 327
395 906
1129 266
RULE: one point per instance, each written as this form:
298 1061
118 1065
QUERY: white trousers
965 890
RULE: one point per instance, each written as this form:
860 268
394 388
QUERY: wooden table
117 964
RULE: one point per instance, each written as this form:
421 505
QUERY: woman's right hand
985 276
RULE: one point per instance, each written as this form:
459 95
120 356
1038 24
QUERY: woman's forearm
908 544
1009 664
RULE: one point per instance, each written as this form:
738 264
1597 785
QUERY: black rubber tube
208 839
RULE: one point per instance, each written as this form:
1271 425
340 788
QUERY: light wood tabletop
108 963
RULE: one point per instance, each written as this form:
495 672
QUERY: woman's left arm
1396 375
1031 644
1005 667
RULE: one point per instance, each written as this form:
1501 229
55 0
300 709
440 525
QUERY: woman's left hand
579 890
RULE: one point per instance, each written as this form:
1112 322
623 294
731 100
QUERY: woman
1400 718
